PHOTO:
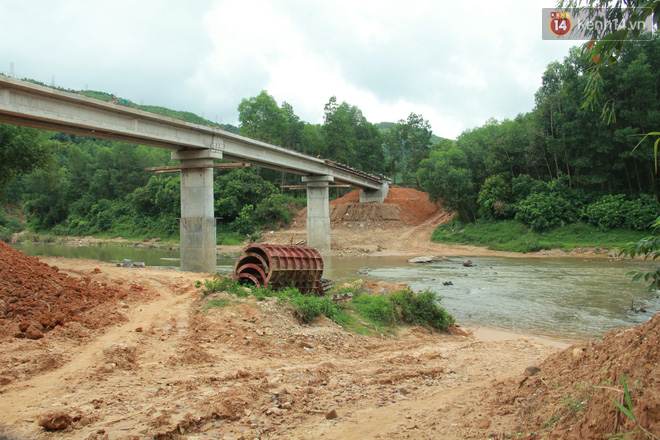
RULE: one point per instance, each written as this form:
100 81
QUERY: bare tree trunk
627 176
639 182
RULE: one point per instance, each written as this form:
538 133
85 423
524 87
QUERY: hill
163 111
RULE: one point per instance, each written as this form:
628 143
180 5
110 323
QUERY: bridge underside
196 147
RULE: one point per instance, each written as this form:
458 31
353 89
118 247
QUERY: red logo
560 23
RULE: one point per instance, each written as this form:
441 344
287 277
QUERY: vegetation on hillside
557 165
561 163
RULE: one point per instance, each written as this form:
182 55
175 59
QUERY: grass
514 236
230 238
362 314
217 303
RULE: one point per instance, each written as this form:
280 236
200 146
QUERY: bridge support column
197 225
318 211
375 196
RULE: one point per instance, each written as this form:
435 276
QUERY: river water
565 298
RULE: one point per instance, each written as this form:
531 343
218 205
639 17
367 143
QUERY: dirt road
247 370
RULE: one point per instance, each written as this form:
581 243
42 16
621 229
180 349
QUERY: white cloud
457 64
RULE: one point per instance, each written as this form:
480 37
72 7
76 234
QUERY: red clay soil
36 297
415 207
573 395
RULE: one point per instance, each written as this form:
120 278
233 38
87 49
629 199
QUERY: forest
561 163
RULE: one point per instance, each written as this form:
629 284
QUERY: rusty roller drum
281 266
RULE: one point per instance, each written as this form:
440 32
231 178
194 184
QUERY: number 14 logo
560 23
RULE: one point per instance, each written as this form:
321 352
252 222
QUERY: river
565 298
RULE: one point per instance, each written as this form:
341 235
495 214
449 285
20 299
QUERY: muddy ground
151 362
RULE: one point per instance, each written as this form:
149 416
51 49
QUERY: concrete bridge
196 147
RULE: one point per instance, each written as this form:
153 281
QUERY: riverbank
150 358
352 239
154 360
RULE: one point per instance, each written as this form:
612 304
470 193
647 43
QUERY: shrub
222 283
420 309
542 211
641 212
277 209
307 308
524 185
245 223
494 198
376 308
402 307
617 211
607 212
8 226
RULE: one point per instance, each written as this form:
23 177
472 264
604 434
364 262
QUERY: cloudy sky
456 63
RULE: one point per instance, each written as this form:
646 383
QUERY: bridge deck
31 105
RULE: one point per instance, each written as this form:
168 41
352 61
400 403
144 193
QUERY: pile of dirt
36 297
574 394
406 205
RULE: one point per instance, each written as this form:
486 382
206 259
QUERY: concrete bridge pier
375 196
318 211
197 225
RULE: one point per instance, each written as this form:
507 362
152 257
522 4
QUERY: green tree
350 139
446 176
605 50
339 123
262 119
22 150
495 198
45 197
407 144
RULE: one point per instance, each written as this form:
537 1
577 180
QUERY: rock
363 271
23 326
531 370
427 259
55 421
138 329
287 405
577 352
468 263
447 283
33 333
275 411
332 414
308 390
